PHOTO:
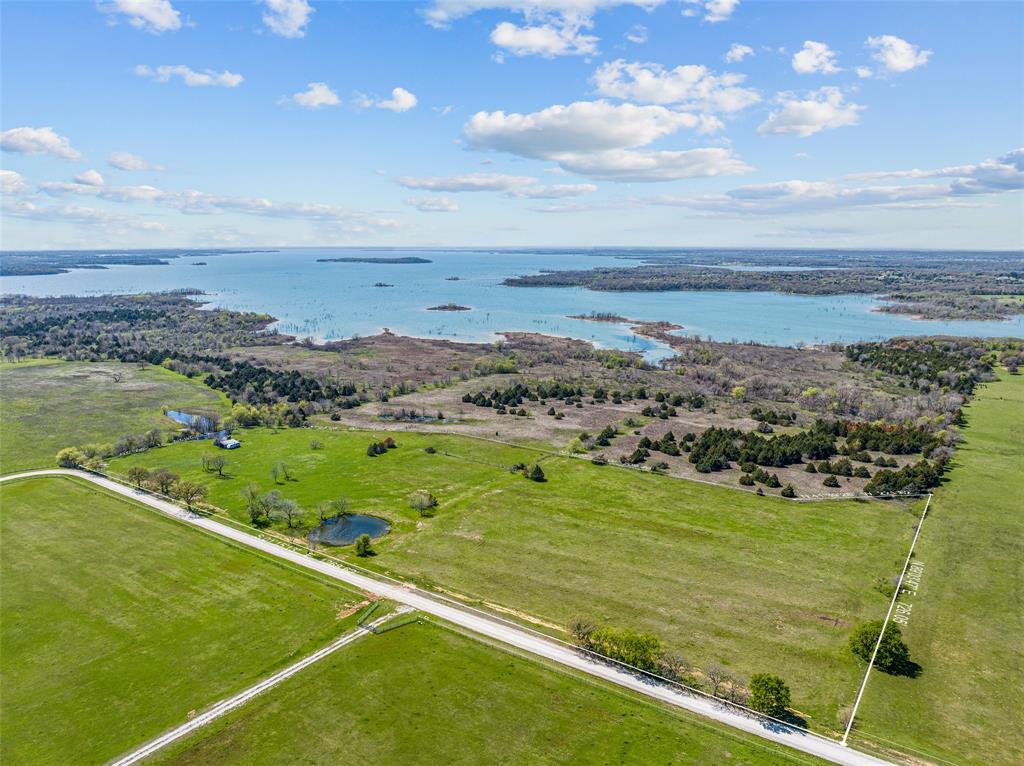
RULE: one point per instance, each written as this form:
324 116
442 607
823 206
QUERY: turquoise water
329 301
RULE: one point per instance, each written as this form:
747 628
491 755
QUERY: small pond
344 530
199 423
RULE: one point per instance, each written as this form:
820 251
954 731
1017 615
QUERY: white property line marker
222 708
885 624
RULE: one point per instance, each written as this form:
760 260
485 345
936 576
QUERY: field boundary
885 623
224 707
650 684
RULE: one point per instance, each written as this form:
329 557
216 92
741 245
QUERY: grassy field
967 620
424 694
49 405
756 584
116 621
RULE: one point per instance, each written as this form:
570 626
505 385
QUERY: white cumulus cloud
583 126
692 86
815 57
401 101
442 13
130 162
154 16
895 54
602 140
315 96
287 18
823 109
38 141
714 10
189 76
90 178
12 183
737 52
546 40
551 28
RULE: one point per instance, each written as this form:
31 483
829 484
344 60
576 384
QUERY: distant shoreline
407 259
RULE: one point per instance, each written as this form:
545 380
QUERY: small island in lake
198 263
382 284
601 316
450 307
405 259
452 279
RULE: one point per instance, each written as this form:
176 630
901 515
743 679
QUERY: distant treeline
30 263
949 293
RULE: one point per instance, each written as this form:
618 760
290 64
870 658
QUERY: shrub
747 480
430 450
788 491
536 473
831 481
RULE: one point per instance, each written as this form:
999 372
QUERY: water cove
333 300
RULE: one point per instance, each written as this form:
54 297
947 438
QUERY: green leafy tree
769 694
70 457
364 546
254 505
893 655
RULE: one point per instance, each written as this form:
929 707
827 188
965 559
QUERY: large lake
339 300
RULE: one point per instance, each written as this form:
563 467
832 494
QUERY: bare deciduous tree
189 492
163 480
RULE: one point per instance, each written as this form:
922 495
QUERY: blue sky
159 123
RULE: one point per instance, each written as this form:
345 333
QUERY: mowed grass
723 577
966 628
115 622
50 404
426 695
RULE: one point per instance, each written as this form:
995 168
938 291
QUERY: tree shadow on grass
907 668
